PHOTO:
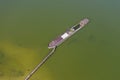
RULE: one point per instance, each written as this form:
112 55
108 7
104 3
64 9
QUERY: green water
27 26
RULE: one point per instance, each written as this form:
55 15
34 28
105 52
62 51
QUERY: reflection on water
91 54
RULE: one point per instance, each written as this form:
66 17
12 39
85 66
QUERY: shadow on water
91 38
73 40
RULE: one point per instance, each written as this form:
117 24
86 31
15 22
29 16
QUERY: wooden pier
40 64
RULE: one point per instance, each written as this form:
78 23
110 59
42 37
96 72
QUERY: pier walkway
40 64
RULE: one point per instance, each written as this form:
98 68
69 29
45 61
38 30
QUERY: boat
60 39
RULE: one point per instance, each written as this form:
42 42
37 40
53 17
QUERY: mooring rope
40 64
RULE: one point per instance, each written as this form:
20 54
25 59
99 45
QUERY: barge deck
60 39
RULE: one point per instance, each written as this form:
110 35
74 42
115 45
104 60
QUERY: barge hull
60 39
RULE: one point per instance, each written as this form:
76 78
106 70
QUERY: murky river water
27 26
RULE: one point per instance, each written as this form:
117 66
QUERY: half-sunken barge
60 39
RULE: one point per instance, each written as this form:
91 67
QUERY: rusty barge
60 39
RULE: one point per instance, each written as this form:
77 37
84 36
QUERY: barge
60 39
